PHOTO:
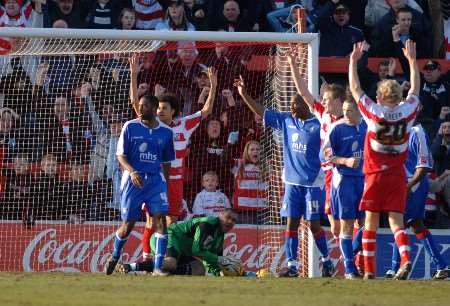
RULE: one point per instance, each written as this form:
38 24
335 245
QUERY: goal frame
311 39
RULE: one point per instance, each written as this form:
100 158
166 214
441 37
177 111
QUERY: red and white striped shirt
388 129
148 14
182 129
21 20
326 120
249 188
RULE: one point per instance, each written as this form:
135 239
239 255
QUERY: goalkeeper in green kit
195 247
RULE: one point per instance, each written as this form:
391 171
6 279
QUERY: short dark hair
171 99
403 10
151 99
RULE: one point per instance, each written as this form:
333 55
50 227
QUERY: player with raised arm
386 146
195 247
344 147
183 128
417 165
329 110
302 175
145 147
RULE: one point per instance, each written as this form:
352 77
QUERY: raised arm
134 71
252 104
410 53
353 78
300 84
209 104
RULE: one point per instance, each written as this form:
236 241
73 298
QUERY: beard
147 116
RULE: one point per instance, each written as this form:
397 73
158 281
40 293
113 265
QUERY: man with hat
434 95
337 35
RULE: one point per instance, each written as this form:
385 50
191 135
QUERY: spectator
99 153
19 196
441 148
73 15
249 187
77 202
19 13
103 14
393 42
175 18
420 25
47 190
209 151
8 142
434 96
210 201
376 9
369 79
196 12
336 35
113 170
284 19
148 14
231 19
127 19
183 75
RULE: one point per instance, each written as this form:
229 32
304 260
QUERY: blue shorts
153 195
346 193
415 204
300 201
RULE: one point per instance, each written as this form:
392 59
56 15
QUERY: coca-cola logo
46 252
254 256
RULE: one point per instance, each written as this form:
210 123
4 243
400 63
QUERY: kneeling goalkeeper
194 247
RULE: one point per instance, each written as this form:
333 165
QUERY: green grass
97 289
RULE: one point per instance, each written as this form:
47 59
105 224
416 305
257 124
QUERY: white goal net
64 96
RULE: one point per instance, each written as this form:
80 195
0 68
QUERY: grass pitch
97 289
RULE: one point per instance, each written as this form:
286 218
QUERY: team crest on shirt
295 137
208 242
354 146
143 147
159 141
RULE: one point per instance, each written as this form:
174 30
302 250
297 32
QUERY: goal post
56 162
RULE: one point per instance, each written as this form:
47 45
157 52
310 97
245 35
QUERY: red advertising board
85 247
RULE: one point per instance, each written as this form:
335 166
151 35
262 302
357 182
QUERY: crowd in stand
60 116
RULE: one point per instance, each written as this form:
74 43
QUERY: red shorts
175 197
384 191
328 176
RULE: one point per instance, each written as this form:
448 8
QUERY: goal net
64 97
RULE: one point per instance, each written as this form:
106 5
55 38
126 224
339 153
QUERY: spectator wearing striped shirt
104 14
148 14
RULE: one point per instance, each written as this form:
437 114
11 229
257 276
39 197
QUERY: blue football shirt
419 155
144 147
301 147
346 140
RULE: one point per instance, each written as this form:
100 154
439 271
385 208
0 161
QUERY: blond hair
389 91
246 158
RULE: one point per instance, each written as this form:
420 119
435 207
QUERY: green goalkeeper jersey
199 237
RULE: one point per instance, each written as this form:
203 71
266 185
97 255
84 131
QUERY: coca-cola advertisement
85 248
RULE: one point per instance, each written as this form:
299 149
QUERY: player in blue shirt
344 148
417 165
145 147
302 176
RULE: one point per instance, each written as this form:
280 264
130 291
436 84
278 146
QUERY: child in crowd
249 188
210 201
